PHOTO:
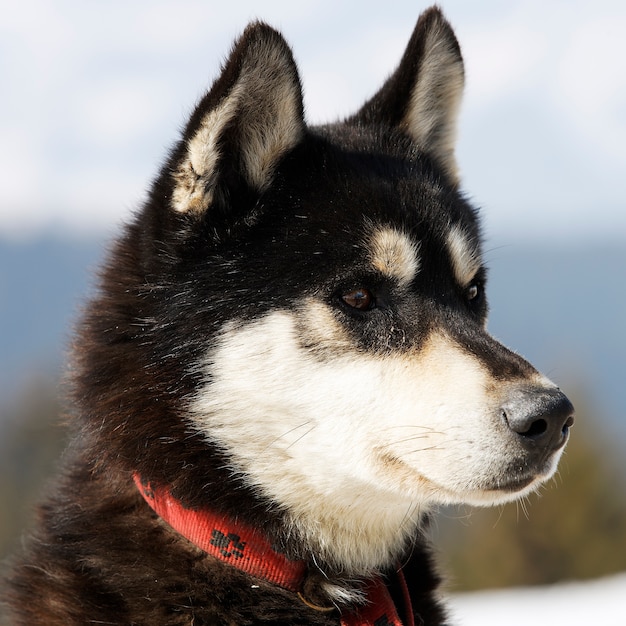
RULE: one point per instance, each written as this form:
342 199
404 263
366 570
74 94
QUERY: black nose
541 417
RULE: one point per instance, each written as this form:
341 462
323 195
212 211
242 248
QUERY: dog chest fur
289 334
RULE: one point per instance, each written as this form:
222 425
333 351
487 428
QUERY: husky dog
287 368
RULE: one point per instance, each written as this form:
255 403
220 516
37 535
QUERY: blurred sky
93 93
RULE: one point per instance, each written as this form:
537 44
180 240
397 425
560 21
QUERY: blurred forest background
544 303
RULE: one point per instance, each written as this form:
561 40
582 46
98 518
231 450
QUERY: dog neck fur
313 467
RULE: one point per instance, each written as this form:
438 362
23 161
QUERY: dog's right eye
360 299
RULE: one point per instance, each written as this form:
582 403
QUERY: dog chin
505 491
503 488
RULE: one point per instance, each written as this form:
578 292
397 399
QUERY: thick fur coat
290 333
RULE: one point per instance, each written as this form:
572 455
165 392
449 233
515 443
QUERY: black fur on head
271 255
248 189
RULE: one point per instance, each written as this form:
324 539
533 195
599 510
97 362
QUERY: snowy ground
596 602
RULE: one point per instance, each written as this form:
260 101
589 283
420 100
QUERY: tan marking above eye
464 256
394 254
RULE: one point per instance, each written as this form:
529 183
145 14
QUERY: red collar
249 550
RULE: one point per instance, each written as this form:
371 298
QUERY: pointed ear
423 95
250 118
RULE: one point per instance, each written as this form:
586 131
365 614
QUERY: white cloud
591 85
504 57
115 113
95 92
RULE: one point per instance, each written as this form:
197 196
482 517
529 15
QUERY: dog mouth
515 484
521 475
506 474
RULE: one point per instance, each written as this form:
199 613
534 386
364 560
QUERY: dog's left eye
360 299
472 292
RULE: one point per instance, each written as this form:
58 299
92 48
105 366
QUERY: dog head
311 304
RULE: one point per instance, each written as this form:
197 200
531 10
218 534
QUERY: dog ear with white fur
243 126
422 97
